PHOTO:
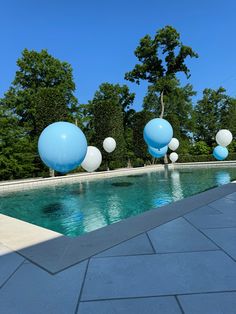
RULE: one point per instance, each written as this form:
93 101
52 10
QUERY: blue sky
98 38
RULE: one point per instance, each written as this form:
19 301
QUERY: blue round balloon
62 146
220 152
157 153
158 133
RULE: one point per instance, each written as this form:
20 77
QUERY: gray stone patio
187 265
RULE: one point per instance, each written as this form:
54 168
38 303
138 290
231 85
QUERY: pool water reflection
79 208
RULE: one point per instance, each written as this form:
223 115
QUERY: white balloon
174 144
174 157
224 137
92 160
109 144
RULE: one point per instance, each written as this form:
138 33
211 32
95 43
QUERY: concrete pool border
55 252
26 184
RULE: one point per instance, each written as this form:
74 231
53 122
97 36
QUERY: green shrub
202 158
138 162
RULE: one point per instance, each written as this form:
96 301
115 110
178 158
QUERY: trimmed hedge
202 158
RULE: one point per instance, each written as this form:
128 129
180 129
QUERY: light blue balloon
62 146
220 152
157 153
158 133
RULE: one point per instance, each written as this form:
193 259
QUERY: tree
200 148
41 93
37 71
139 120
178 107
211 114
16 158
50 106
108 120
161 58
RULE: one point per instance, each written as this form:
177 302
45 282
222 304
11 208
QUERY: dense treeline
42 92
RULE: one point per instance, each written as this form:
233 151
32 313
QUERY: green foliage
202 158
108 117
50 106
41 93
16 150
37 71
160 59
178 107
200 148
139 121
212 113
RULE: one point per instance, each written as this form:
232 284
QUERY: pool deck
180 258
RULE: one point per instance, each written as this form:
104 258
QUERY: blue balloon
62 146
220 152
157 153
158 133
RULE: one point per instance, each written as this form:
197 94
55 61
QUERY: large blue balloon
157 153
158 133
62 146
220 152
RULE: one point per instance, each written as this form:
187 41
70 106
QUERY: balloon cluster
223 138
173 145
158 135
63 147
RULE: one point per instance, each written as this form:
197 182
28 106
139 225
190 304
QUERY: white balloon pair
173 145
93 158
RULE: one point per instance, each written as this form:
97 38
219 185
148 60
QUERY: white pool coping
33 183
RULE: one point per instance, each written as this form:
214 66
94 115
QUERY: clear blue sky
98 38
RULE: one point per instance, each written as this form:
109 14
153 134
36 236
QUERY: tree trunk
162 106
51 172
161 116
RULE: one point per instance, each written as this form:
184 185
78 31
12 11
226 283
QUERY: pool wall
19 185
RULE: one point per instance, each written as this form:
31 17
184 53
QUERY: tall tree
36 71
178 105
139 120
16 158
41 93
211 114
108 107
160 59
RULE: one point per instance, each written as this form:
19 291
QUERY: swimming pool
75 209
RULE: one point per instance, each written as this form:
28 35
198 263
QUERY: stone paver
225 238
130 277
134 246
232 196
9 262
208 217
211 303
225 205
153 275
162 305
179 236
33 291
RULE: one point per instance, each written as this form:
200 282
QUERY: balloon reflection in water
222 177
177 190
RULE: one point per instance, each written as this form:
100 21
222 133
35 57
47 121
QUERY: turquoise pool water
75 209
